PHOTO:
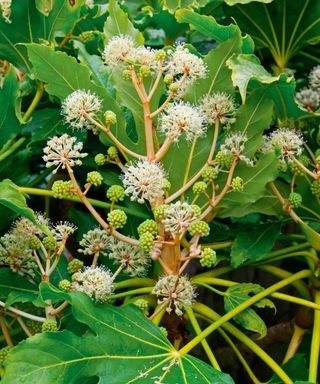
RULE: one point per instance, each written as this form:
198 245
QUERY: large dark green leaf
9 123
31 26
248 319
254 244
123 347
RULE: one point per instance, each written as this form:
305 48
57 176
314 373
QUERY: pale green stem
132 292
295 341
315 342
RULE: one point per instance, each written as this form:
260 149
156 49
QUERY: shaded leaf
296 368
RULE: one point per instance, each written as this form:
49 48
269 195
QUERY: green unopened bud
160 54
34 242
33 326
174 87
142 304
126 74
3 354
65 285
115 193
49 242
224 160
74 266
295 200
112 153
62 189
95 178
86 36
315 188
295 169
158 212
209 173
199 187
148 226
144 71
100 159
237 184
49 326
196 209
168 79
146 242
117 218
208 258
110 117
199 228
167 185
164 331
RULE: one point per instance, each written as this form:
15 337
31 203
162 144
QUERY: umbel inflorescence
179 215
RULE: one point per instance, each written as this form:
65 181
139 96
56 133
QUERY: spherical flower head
200 228
116 193
49 326
96 282
178 217
295 200
309 99
112 153
181 61
135 261
65 285
158 212
295 169
224 161
314 77
208 258
110 117
49 242
144 180
100 159
142 304
95 178
219 107
4 352
234 144
95 242
117 218
79 107
146 242
285 142
63 189
63 151
237 184
34 242
199 187
145 59
63 230
74 266
182 118
315 188
148 226
176 292
210 173
86 36
117 50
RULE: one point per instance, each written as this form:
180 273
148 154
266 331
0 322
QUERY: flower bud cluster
309 98
63 189
95 241
234 145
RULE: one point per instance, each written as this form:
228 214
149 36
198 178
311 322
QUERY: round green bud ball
160 54
110 117
49 326
146 242
167 185
148 226
168 79
142 304
158 212
224 160
34 242
295 199
65 285
315 188
237 184
74 266
62 189
49 242
126 74
164 331
100 159
174 87
117 218
199 187
199 228
208 258
209 174
295 169
86 36
4 354
144 71
282 166
95 178
116 193
33 326
112 153
196 209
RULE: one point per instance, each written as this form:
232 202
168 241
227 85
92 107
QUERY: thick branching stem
5 332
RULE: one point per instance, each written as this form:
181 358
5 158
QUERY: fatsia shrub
188 165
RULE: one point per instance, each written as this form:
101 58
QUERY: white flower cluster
5 6
134 260
95 241
80 105
62 230
219 106
175 291
182 117
284 142
178 216
234 144
181 61
144 57
118 49
96 282
63 151
309 98
144 180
